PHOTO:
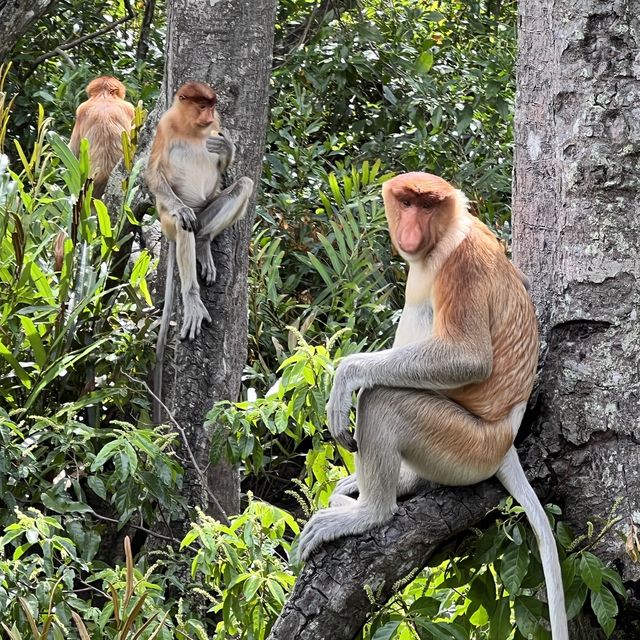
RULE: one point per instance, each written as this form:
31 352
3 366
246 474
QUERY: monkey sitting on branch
446 401
188 158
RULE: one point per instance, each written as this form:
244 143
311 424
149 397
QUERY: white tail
511 475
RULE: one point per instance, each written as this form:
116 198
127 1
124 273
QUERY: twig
183 435
89 36
139 527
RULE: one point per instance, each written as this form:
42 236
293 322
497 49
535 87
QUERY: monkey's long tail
162 334
511 475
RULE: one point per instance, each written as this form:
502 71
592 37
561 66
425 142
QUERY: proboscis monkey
446 401
101 120
189 155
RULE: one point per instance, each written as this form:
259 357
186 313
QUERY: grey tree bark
228 45
577 236
16 17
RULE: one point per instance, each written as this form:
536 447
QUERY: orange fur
101 120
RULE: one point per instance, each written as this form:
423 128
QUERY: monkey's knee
246 184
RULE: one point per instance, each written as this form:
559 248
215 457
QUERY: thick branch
329 601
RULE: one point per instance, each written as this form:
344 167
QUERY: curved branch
130 14
329 601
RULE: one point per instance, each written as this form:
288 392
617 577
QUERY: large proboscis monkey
446 401
101 120
189 155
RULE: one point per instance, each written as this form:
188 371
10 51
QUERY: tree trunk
229 46
577 237
16 17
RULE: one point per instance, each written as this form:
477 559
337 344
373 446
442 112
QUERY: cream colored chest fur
195 175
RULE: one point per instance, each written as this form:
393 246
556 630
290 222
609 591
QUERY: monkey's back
513 328
101 121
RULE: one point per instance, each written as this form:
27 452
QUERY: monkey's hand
339 405
194 314
187 219
219 144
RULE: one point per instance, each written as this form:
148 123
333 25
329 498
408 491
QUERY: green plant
244 567
487 589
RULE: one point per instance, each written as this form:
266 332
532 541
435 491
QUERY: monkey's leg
205 260
409 482
434 436
227 207
194 311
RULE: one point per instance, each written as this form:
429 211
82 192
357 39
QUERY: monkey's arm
167 200
222 145
459 353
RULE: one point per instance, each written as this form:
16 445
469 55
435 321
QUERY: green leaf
612 577
104 221
23 376
528 612
35 341
72 176
251 586
61 504
591 569
501 621
387 631
605 607
513 567
575 596
97 486
425 62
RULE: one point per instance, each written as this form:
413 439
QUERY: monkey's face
199 115
203 117
417 207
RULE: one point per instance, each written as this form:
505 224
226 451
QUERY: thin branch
89 36
139 527
192 458
145 30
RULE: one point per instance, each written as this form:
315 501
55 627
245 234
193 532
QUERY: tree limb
329 600
89 36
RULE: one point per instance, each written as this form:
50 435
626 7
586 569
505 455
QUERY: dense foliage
361 90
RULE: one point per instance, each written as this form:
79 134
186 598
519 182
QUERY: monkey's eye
405 203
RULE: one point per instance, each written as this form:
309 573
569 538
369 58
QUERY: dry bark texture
329 601
16 17
228 45
577 236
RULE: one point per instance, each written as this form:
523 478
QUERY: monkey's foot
194 314
337 522
345 487
208 270
339 500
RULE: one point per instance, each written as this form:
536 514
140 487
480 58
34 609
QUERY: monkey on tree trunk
446 401
188 158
